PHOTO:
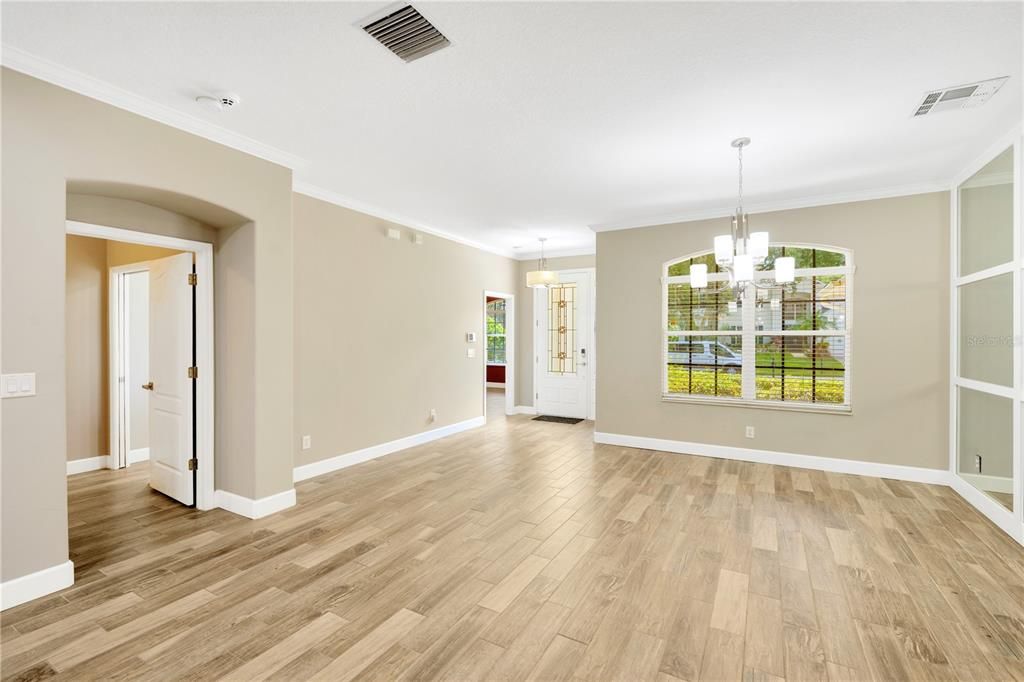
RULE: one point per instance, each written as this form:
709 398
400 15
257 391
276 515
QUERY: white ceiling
547 119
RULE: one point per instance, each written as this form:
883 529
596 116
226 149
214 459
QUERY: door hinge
193 464
193 279
193 372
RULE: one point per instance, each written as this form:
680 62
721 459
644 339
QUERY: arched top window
760 343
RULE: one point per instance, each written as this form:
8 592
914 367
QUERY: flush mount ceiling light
742 252
541 278
219 102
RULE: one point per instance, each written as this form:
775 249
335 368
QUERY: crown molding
590 250
769 206
94 88
994 149
338 199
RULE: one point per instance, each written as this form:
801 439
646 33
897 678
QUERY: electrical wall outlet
433 415
307 442
750 432
977 463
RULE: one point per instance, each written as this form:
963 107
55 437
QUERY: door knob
149 386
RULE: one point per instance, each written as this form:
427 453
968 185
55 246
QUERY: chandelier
742 252
541 278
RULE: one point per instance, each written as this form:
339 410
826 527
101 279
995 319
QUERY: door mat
557 420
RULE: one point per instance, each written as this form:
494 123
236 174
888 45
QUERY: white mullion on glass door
981 377
1018 330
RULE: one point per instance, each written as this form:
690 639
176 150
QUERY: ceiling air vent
407 33
959 97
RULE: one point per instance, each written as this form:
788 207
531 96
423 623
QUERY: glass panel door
987 357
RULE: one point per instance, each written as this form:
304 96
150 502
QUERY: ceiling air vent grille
407 33
959 97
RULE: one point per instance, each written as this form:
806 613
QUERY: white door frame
592 334
204 339
120 405
1011 521
510 349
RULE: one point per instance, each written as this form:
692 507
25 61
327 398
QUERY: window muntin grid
793 343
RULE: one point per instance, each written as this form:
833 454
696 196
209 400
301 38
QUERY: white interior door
563 329
171 401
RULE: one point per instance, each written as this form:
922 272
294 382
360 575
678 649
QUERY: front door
171 404
563 330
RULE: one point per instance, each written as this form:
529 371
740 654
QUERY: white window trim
748 332
488 336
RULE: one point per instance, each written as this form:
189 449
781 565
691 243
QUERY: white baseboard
36 585
138 455
843 466
524 409
495 384
255 509
990 484
326 466
995 512
80 466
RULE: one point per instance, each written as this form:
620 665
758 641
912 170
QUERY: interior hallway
522 550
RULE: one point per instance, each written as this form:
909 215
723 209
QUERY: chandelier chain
740 152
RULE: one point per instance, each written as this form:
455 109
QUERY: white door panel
563 328
170 356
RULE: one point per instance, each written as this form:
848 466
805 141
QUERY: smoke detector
219 102
959 97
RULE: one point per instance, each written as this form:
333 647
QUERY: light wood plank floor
521 551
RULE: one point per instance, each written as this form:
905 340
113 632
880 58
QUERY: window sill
759 404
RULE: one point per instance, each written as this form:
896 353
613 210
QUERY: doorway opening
499 353
156 362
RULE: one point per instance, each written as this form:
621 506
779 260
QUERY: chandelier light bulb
699 276
723 249
758 246
785 269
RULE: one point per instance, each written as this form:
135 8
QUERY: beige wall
86 344
131 214
524 321
53 142
380 329
121 253
87 330
900 343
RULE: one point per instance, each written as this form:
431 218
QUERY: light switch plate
470 337
18 385
471 352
